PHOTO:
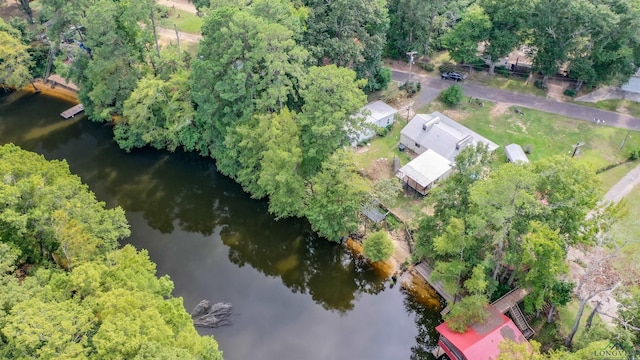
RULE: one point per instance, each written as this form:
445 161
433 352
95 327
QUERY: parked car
452 75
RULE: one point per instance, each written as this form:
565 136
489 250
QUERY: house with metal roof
441 134
482 340
424 171
377 114
515 154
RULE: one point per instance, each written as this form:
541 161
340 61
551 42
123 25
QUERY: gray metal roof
515 153
633 85
426 168
443 135
378 110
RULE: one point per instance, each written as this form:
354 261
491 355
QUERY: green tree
505 202
15 60
337 193
40 199
105 303
452 96
462 41
570 191
377 246
557 28
281 175
542 262
332 97
508 27
247 65
466 312
454 255
119 49
158 113
349 34
610 48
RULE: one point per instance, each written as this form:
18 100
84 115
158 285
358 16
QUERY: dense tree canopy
15 60
99 302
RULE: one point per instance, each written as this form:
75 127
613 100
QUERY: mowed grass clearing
184 21
631 107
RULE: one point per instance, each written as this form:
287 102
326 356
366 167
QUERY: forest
68 289
273 95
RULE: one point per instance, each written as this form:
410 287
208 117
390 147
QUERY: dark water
294 296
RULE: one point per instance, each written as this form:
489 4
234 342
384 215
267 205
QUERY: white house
377 114
422 172
441 134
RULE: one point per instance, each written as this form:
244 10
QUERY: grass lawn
545 134
613 104
514 83
382 147
628 230
612 176
568 316
185 21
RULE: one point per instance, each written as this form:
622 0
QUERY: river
294 296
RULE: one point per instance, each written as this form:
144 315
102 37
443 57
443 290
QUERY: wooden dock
510 299
425 271
57 80
73 111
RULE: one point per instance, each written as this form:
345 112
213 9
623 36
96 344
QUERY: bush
540 84
501 70
427 66
410 87
377 246
570 92
382 131
452 96
634 154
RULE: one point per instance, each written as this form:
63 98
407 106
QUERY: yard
624 106
545 134
184 21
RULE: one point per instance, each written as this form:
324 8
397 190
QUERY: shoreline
51 90
409 279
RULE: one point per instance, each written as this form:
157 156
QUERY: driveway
432 86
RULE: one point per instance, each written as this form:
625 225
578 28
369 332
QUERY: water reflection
217 243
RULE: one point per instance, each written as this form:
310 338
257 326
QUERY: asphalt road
432 86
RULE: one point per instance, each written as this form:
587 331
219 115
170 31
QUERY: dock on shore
72 111
425 271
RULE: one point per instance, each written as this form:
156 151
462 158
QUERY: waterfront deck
57 80
425 271
72 111
509 303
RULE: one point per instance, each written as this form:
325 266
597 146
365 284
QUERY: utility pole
575 148
411 54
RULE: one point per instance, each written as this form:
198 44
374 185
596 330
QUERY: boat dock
425 271
69 113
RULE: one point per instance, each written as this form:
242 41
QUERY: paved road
432 86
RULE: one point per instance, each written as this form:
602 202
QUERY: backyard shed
515 154
422 172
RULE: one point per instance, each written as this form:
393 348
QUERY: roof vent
428 124
465 141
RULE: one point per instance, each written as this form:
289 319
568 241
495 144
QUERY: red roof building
480 341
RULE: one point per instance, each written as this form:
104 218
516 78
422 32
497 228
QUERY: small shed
422 172
515 154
